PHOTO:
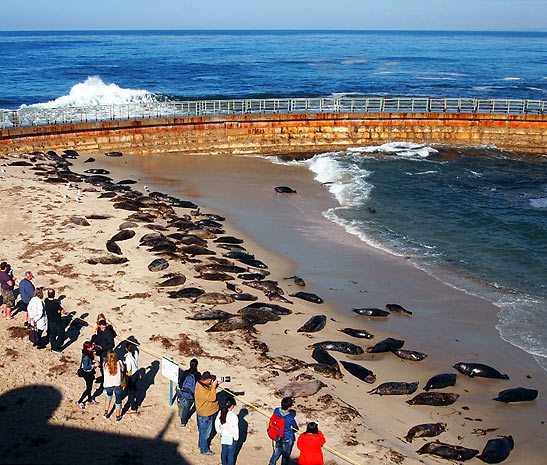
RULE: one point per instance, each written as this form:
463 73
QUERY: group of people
198 391
195 391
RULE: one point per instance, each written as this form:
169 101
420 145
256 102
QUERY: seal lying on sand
264 286
478 370
359 371
398 309
441 381
325 370
518 394
230 324
244 296
324 358
123 235
339 346
425 430
300 388
448 451
373 312
361 333
213 298
277 309
188 292
259 316
394 389
297 280
107 260
211 315
385 345
409 355
314 324
438 399
314 298
158 265
113 247
497 450
177 280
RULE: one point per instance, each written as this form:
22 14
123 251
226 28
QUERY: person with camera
284 443
185 391
309 444
205 397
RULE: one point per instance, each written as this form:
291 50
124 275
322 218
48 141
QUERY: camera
225 379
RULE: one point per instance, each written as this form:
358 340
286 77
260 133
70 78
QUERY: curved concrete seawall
282 133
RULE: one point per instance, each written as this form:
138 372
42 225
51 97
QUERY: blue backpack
189 387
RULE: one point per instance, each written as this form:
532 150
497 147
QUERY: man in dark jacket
283 447
56 329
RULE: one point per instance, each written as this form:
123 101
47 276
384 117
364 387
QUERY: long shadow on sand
28 437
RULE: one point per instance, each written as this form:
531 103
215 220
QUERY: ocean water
476 218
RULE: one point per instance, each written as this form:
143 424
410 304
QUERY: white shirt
132 362
36 313
230 428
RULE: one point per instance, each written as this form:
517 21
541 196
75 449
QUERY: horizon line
274 30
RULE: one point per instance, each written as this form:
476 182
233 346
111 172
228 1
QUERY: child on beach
309 445
227 425
88 366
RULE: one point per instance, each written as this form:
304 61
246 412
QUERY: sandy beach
289 234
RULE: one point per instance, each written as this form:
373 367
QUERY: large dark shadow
28 437
146 379
243 426
75 325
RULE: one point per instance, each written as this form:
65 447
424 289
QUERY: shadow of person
146 379
72 332
243 426
30 438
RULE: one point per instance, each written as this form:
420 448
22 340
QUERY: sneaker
118 418
209 452
93 403
58 352
183 425
80 405
105 415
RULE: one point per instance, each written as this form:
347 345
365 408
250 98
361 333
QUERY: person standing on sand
26 292
7 284
131 368
104 341
37 316
56 329
206 409
186 390
227 425
310 444
283 446
112 369
88 366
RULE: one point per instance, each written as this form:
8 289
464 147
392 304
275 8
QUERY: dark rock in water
434 398
448 451
107 260
314 324
89 160
186 293
259 316
228 240
394 389
284 190
441 381
386 345
425 430
211 315
497 450
177 280
127 181
97 171
518 394
79 221
111 246
309 297
158 264
123 235
127 225
277 309
114 154
20 163
359 371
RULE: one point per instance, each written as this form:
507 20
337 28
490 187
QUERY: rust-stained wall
282 133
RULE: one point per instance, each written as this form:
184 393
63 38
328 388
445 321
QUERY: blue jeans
117 391
205 426
283 448
227 454
185 408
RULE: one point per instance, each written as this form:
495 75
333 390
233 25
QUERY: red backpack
276 426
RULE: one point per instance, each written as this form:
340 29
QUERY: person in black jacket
104 341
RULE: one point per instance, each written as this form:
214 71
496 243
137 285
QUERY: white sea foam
400 149
93 91
539 203
512 79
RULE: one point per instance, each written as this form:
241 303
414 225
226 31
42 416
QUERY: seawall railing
37 116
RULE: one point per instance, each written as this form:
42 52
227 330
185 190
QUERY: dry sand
367 429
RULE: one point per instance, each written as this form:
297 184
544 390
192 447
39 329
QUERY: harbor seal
325 370
107 260
284 190
80 221
259 316
186 293
123 235
297 280
177 280
213 298
518 394
448 451
359 371
230 324
385 345
394 388
228 240
300 388
360 333
314 324
339 346
438 399
211 275
265 285
478 370
211 315
158 264
441 381
497 450
425 430
277 309
196 250
251 276
411 355
114 248
372 312
324 358
398 309
244 296
314 298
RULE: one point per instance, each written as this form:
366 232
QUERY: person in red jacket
310 444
